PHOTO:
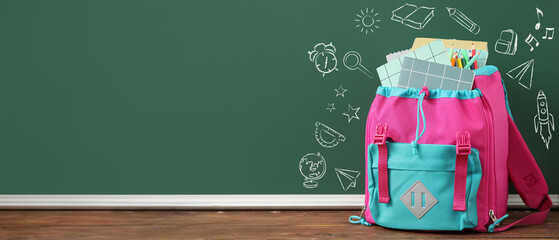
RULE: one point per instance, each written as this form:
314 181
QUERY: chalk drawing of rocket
543 121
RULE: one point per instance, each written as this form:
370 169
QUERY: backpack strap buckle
380 140
380 134
463 146
463 149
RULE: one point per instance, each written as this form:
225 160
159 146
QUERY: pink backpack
441 160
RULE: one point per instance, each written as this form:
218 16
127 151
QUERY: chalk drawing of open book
413 16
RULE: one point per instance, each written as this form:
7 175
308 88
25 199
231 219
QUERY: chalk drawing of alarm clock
324 58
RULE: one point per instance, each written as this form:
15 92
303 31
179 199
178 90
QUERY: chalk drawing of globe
313 167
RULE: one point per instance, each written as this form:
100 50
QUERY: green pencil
472 60
465 56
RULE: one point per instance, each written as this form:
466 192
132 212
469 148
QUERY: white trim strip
197 202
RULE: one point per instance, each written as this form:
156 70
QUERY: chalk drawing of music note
538 13
529 40
547 31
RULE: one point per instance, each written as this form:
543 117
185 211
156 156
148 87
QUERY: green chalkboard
221 97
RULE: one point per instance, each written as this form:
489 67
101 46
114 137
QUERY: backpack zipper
490 159
492 216
496 222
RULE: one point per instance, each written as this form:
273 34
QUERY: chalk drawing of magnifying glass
352 61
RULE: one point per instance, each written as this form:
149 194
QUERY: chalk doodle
340 91
529 41
352 61
348 178
507 42
351 113
463 20
538 13
413 16
543 121
330 107
549 31
366 20
313 167
324 58
518 73
326 136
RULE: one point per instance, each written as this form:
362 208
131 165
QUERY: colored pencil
450 54
473 60
465 56
453 60
470 59
474 53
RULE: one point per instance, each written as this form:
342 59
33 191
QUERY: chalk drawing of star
330 107
340 91
351 113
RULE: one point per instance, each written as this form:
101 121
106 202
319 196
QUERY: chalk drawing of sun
366 20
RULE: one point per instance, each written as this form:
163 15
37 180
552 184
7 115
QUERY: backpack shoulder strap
527 179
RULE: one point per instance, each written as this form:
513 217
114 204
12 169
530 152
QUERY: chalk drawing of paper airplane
518 73
413 16
326 136
348 178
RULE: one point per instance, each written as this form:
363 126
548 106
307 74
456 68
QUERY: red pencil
474 53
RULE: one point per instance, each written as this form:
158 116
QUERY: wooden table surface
66 224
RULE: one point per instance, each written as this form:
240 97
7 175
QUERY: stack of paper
428 63
458 45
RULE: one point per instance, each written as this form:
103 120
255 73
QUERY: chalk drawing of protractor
326 136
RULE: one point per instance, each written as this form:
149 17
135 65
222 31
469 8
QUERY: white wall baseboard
196 202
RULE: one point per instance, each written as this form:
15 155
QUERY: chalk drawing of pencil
463 20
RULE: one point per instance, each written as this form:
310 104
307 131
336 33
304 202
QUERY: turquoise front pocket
421 188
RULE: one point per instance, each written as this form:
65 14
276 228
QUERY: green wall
217 97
